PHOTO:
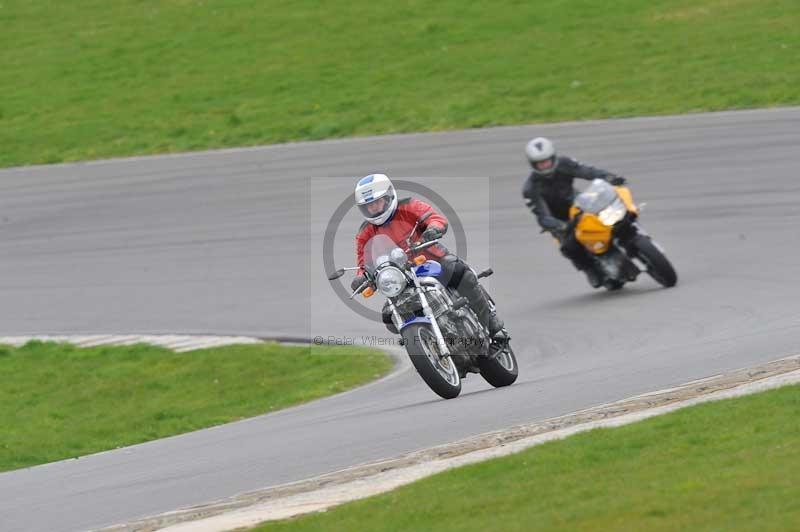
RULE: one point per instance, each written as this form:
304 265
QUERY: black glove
617 181
432 233
560 230
358 280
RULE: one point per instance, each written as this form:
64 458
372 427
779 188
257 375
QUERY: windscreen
597 197
380 249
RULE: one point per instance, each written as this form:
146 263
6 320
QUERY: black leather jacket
550 198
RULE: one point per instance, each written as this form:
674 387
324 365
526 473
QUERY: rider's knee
468 278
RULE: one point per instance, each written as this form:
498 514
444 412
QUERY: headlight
391 281
613 213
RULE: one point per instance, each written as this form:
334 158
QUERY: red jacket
409 210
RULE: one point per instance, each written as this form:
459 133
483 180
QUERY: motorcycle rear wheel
500 371
439 373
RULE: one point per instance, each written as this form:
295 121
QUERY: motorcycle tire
500 371
440 374
658 266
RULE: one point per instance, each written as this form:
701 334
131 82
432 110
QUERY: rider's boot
492 322
479 304
582 261
586 265
594 278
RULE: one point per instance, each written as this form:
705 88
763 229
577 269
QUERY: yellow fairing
593 234
627 199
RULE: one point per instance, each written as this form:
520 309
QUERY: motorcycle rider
384 214
549 193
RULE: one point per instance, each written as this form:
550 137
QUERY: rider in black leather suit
549 193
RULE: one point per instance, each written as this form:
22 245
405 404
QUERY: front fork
428 313
625 240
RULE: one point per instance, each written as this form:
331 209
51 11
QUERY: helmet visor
546 165
378 206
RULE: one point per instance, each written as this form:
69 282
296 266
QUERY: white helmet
376 198
542 156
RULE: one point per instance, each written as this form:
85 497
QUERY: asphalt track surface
229 242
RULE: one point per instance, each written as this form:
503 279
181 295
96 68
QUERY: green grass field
58 401
725 466
89 78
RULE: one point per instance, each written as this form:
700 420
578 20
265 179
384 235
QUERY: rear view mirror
335 275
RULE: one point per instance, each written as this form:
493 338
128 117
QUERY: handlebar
338 273
424 245
360 289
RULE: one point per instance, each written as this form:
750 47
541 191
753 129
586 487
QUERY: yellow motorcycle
604 218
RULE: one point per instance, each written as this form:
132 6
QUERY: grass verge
59 401
89 78
729 465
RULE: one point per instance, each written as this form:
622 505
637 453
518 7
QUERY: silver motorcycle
441 334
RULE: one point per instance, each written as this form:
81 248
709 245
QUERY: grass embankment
89 78
730 465
59 401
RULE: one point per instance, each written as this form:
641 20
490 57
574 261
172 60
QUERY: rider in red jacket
386 215
407 213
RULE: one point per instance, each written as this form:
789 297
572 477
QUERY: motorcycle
441 334
605 221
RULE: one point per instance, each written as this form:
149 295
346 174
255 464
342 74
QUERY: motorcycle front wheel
439 373
658 266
